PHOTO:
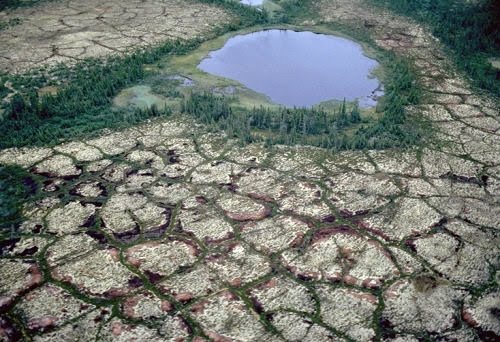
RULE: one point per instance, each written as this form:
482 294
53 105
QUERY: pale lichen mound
162 232
70 30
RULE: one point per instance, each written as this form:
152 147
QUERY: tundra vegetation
13 4
470 30
83 105
138 224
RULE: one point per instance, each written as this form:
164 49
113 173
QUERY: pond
252 2
297 68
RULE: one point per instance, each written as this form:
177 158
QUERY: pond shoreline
297 68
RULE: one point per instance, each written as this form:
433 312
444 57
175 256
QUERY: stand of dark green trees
84 106
317 127
84 103
274 126
13 191
13 4
469 29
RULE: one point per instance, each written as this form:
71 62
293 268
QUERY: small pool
297 68
252 2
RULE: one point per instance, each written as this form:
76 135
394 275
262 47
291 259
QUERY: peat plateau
160 73
163 231
288 84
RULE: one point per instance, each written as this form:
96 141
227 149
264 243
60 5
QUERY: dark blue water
297 68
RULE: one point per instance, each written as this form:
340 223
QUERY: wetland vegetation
337 129
83 102
172 230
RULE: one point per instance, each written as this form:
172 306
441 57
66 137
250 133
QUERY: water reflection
297 68
252 2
